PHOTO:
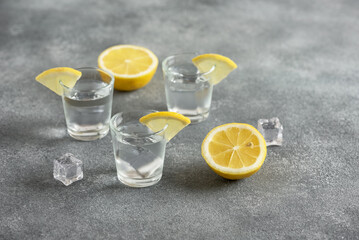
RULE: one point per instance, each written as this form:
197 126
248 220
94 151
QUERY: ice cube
142 160
68 169
272 131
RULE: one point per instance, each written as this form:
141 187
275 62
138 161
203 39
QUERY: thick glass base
195 115
88 135
138 183
197 118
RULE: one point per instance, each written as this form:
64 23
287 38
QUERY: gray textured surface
298 60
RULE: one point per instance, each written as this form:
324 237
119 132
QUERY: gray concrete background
298 60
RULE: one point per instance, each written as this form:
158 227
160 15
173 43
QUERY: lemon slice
234 150
51 78
158 120
217 66
132 66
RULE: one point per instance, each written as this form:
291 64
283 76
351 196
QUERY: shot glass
139 152
88 104
188 91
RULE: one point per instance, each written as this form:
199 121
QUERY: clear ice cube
142 160
68 169
272 131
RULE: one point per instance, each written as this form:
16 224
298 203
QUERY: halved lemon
234 150
217 66
132 66
158 120
51 78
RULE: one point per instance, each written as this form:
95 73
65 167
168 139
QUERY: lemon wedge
132 66
171 122
217 66
234 150
51 78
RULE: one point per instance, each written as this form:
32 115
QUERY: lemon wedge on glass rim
215 66
234 150
171 122
51 78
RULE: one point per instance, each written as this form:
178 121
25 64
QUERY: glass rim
113 128
165 65
98 70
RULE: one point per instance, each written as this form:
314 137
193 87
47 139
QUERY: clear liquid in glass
139 160
188 93
88 113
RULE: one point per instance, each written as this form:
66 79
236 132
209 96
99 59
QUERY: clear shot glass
139 152
188 91
88 104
